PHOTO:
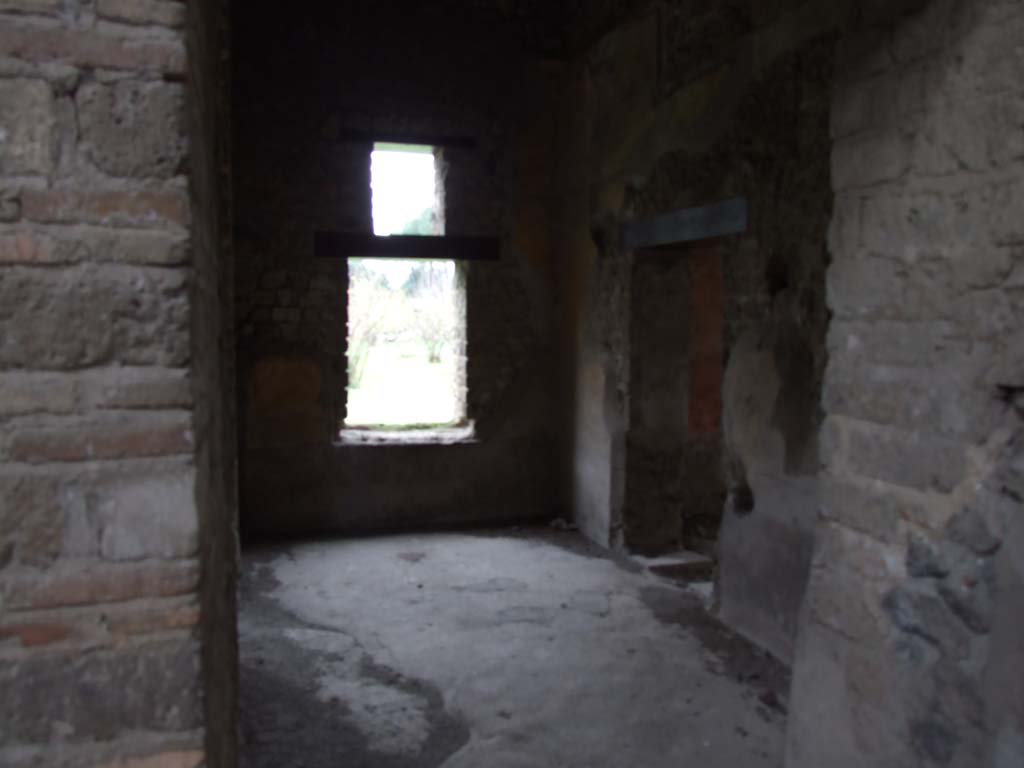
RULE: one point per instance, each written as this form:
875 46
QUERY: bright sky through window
404 198
403 188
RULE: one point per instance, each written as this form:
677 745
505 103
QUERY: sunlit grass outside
403 344
402 388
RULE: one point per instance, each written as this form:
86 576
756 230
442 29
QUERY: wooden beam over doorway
687 225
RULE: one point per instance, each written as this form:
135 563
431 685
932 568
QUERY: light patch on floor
525 649
392 720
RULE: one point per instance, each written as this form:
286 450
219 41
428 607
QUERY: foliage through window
406 319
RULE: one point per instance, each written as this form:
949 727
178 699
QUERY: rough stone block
981 266
1005 129
969 529
1002 204
865 288
31 518
176 759
34 248
33 635
919 459
934 399
91 49
157 209
26 127
10 204
52 320
23 393
950 140
125 247
968 591
914 90
45 7
925 559
844 228
865 160
155 435
161 618
895 342
862 54
138 247
167 13
872 512
152 687
148 516
917 610
987 314
138 388
838 596
919 34
994 61
864 105
133 128
77 583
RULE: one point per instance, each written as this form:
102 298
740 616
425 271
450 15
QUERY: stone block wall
302 149
101 447
910 649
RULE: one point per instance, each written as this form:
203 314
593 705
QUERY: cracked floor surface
503 649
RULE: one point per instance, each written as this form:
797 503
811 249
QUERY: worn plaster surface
493 649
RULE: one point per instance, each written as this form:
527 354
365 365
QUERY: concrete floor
498 650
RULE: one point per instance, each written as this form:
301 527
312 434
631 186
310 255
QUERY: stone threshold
464 434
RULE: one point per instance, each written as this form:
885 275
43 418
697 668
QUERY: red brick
32 635
93 583
85 48
104 440
128 208
155 620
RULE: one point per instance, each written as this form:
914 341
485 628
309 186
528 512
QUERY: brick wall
910 652
99 566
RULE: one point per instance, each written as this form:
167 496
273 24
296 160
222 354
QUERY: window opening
406 318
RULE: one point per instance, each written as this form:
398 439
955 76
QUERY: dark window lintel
348 245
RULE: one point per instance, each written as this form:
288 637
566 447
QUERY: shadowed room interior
506 383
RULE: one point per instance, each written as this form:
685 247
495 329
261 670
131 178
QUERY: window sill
369 436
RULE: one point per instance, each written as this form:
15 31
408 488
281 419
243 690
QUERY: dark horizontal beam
728 217
349 245
367 137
